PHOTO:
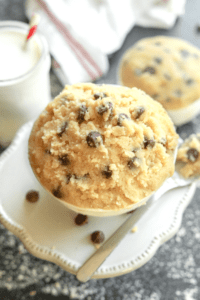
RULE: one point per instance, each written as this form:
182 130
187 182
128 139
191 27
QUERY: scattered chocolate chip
138 72
139 111
189 81
81 219
121 118
104 108
131 163
148 143
57 193
167 76
192 154
97 237
94 139
68 177
81 114
32 196
178 93
158 60
62 129
198 28
184 53
99 95
64 160
168 99
107 173
150 70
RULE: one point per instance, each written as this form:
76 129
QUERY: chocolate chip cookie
166 68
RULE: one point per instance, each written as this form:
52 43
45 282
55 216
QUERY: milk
15 58
24 77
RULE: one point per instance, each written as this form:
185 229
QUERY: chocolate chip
158 60
150 70
167 76
99 95
81 219
104 108
32 196
57 193
168 99
139 111
107 173
131 163
62 129
198 28
97 237
155 96
121 118
68 177
81 114
47 151
94 139
64 160
178 93
148 143
184 53
192 154
189 81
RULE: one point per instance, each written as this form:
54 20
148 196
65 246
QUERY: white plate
48 231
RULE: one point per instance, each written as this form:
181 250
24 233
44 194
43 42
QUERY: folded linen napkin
82 33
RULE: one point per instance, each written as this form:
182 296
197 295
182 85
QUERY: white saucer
48 231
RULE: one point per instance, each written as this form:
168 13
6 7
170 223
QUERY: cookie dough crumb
134 229
189 156
32 196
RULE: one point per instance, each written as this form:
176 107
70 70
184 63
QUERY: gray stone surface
172 274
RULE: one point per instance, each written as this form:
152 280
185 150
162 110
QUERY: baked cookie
166 68
189 154
102 147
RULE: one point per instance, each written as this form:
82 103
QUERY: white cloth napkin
82 33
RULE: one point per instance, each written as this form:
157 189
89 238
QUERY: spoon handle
92 264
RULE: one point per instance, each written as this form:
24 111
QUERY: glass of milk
24 77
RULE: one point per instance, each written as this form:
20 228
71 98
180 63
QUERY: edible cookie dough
188 153
166 68
102 147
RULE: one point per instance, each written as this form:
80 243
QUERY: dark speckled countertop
172 274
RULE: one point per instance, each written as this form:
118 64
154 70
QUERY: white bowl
103 212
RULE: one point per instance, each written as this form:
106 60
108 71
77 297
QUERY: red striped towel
82 33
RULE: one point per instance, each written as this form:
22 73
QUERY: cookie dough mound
102 147
166 68
189 155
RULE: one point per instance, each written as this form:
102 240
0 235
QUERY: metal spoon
95 261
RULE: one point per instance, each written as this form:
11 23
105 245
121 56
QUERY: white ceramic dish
48 231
